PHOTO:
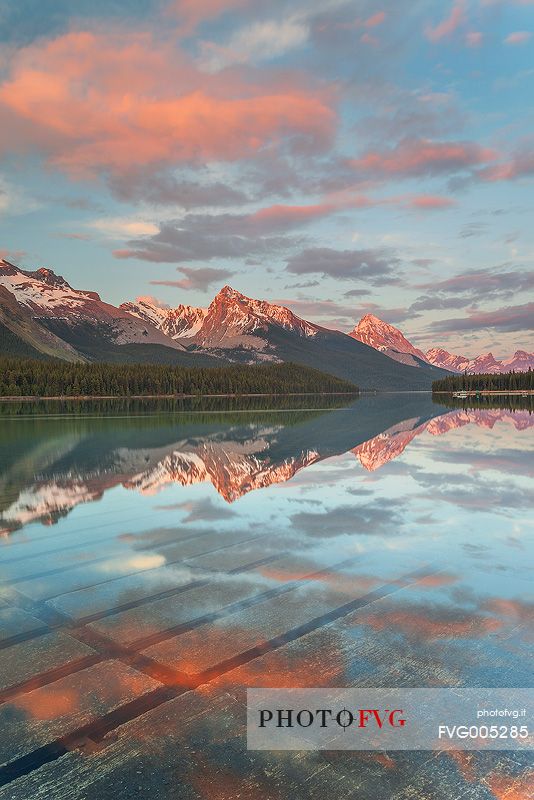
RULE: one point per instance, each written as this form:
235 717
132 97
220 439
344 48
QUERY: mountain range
390 340
42 316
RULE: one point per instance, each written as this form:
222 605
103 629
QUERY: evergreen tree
486 382
25 377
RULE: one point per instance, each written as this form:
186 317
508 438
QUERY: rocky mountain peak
227 294
373 331
49 277
6 268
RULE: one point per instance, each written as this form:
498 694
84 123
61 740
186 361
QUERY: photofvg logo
390 719
328 717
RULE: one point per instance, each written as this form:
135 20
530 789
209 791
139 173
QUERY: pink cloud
423 156
474 38
96 102
518 37
449 25
431 202
521 165
376 19
284 216
283 213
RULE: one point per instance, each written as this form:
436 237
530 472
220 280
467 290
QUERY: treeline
28 378
486 382
214 409
508 402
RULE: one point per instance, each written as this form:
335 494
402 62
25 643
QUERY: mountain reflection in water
388 544
55 457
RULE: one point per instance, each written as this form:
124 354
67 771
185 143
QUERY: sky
341 157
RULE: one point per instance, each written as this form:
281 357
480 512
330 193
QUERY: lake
158 558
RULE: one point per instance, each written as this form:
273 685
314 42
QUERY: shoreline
85 397
64 397
475 393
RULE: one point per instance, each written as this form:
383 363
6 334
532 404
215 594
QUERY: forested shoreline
486 382
32 378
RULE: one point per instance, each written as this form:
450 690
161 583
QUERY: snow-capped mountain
442 358
228 322
521 361
485 363
457 363
21 335
389 340
181 322
61 309
239 328
42 314
232 318
42 291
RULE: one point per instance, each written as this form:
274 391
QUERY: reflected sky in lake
383 542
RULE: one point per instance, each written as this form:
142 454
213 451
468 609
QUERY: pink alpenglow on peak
373 331
181 322
232 318
385 337
486 363
442 358
521 361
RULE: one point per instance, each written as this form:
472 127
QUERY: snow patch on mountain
50 297
182 322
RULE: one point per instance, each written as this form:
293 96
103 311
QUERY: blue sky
343 157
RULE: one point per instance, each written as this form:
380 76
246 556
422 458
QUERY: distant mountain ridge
233 329
520 361
390 340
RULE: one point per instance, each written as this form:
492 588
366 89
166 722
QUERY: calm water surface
158 558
